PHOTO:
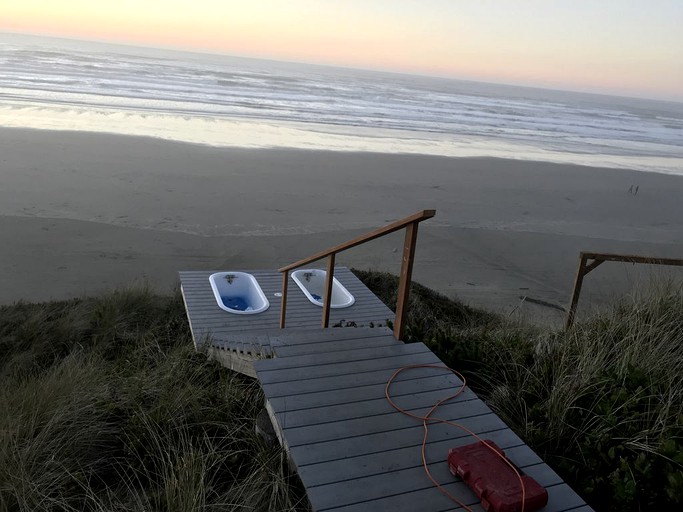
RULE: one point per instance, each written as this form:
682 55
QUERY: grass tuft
106 406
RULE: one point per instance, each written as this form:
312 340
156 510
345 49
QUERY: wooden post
283 305
404 280
578 281
584 269
327 299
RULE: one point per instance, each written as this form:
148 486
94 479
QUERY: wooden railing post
327 298
578 281
283 305
584 269
405 279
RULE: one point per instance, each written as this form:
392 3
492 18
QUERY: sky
624 47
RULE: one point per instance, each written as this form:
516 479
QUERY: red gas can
493 481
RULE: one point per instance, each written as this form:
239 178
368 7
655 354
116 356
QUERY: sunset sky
626 47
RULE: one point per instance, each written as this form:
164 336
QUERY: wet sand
81 213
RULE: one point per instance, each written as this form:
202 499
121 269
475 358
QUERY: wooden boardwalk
324 393
353 451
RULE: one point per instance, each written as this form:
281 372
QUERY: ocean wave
317 99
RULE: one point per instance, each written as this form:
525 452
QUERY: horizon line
209 52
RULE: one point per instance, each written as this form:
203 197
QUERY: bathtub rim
335 282
213 278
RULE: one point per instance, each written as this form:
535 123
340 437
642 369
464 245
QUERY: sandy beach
81 213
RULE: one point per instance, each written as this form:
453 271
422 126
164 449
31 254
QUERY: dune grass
602 403
107 406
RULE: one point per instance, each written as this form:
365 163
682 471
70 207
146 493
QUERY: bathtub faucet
230 278
308 275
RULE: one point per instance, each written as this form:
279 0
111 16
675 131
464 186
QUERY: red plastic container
493 481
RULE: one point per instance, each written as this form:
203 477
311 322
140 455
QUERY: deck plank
333 345
373 391
406 482
318 430
407 501
381 442
380 373
310 362
365 408
360 368
346 468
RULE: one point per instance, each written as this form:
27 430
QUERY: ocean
57 84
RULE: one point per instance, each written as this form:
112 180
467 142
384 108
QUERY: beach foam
234 102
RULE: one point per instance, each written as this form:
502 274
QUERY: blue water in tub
236 303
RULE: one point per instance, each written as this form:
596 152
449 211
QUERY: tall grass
106 406
604 401
52 434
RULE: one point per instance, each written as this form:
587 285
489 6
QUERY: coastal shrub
107 406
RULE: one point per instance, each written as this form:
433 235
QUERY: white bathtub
238 293
312 283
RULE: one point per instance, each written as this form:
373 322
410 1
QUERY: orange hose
427 419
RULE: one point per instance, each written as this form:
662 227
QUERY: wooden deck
239 340
207 319
354 452
324 393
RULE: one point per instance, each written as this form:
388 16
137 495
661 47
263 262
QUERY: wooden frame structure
597 259
409 223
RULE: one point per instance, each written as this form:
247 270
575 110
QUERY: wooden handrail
677 262
389 228
410 223
598 259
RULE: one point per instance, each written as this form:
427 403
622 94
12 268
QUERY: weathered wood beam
405 280
327 298
283 304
